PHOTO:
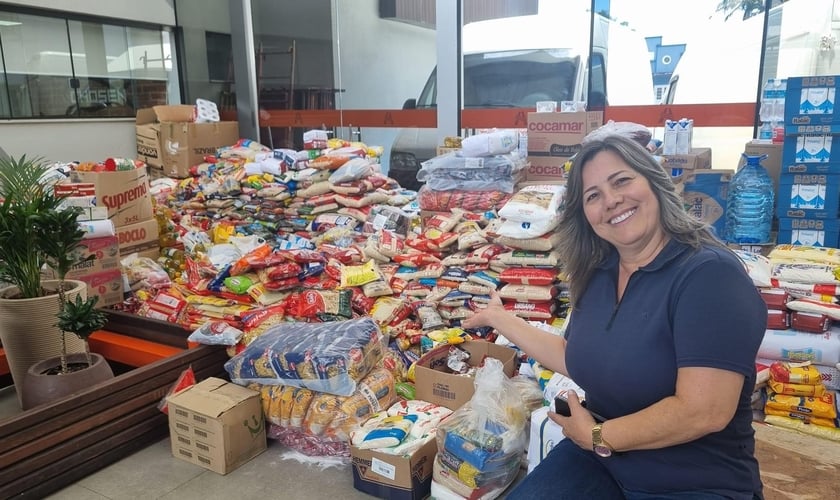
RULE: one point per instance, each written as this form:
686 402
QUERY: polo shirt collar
673 249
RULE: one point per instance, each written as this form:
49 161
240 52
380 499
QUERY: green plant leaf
81 317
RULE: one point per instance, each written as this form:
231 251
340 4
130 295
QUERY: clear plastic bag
482 442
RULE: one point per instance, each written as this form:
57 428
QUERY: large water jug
749 204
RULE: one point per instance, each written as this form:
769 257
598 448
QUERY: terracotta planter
40 386
28 331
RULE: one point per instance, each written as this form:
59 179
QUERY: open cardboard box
435 385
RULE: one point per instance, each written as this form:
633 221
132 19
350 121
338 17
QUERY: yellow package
814 430
359 275
795 373
287 401
822 406
797 389
221 233
804 417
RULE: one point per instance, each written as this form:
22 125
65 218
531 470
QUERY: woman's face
618 202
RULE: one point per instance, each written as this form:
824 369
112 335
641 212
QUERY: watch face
602 451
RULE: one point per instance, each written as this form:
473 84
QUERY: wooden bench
52 446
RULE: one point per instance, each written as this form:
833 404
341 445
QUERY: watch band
600 445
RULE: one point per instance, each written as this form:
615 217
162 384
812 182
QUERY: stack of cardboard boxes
808 200
170 142
553 138
122 197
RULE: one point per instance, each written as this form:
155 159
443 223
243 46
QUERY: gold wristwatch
599 445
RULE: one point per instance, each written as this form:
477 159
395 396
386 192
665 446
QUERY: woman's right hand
486 316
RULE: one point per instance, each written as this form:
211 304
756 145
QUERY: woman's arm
549 350
704 402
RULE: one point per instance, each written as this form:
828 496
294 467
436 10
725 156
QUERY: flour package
534 203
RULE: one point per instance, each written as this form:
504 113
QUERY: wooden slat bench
55 445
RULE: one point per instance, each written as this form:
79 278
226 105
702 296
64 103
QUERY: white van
725 68
516 61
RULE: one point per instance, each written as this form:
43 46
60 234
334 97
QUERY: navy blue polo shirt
686 308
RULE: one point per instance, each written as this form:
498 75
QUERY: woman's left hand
577 427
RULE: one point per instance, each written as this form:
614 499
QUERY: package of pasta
327 357
807 418
795 373
311 304
374 394
823 406
814 391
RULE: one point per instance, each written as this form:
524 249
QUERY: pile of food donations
339 296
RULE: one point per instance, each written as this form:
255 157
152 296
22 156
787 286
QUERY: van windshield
512 79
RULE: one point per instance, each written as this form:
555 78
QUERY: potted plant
35 232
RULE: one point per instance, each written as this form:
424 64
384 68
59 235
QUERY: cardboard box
107 285
809 232
704 193
812 153
125 193
168 140
544 435
773 162
137 238
434 385
811 100
395 477
814 196
559 134
699 158
546 169
759 248
216 424
100 254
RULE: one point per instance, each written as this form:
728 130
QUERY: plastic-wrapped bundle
479 446
453 171
444 201
325 357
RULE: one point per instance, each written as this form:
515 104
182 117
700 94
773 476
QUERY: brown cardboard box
452 391
559 134
698 158
216 424
100 254
546 169
773 163
107 285
168 139
394 476
137 238
124 192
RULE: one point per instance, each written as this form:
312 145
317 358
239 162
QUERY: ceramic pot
40 386
28 331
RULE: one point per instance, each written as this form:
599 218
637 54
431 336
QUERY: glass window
38 66
57 67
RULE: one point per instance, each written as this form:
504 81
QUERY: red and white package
528 276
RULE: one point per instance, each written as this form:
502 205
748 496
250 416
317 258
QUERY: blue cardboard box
814 196
809 232
822 151
811 100
704 196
